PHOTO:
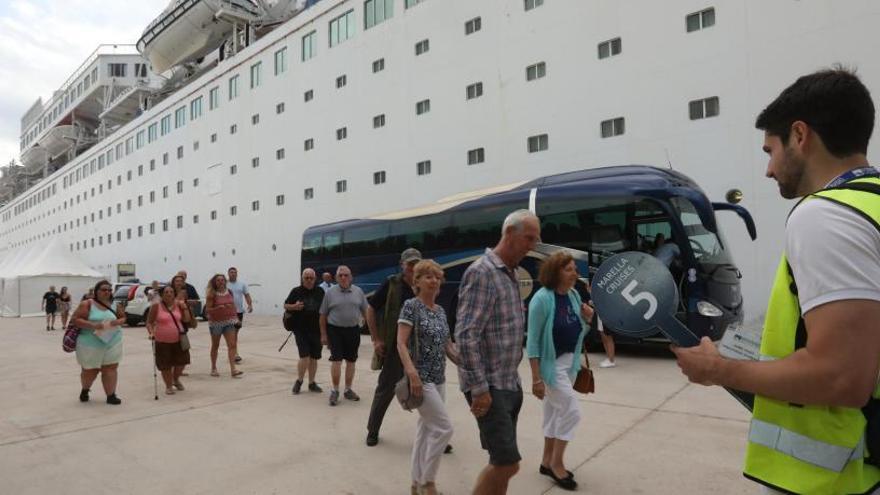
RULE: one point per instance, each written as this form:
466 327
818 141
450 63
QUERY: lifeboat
59 139
190 29
35 158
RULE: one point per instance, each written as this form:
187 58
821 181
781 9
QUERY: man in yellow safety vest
820 347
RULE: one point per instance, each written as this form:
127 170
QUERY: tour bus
595 213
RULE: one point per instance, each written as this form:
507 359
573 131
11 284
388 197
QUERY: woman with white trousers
424 363
556 329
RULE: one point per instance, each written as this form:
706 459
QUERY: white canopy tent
26 274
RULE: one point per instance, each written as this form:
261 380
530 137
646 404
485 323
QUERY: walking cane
285 341
155 378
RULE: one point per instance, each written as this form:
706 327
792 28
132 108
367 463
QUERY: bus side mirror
743 213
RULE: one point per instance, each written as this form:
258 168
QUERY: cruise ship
231 126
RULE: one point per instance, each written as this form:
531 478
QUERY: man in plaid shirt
489 334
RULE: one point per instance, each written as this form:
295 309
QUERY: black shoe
567 483
237 359
350 395
448 449
372 439
112 399
297 385
84 395
549 472
313 387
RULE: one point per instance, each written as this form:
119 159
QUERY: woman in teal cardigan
557 326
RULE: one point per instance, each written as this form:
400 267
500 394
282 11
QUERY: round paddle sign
635 294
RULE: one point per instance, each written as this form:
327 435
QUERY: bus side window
480 228
332 249
311 250
426 233
647 233
364 241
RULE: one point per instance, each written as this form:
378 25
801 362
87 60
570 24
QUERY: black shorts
498 426
51 309
308 342
240 321
344 342
169 355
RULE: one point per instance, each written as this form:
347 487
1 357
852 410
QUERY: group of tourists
54 303
411 339
173 312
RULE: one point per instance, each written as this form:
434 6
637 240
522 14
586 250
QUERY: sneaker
334 397
112 399
350 395
372 439
313 387
607 364
297 385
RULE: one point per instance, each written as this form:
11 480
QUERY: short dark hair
833 102
548 275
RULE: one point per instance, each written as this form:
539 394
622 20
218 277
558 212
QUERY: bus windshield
708 248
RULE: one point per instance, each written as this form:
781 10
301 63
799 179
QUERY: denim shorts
220 327
498 426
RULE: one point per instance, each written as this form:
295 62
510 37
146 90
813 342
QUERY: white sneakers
607 364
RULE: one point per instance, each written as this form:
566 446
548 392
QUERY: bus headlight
706 308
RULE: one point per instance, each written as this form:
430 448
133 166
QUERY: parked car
123 292
138 305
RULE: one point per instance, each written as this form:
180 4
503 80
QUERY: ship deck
646 430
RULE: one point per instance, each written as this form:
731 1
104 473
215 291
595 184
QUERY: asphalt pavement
645 430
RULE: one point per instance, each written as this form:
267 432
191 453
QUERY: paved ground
646 431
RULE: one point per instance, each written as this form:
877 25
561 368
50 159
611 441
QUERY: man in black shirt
192 295
50 304
386 303
301 309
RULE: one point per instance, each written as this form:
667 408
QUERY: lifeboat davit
190 29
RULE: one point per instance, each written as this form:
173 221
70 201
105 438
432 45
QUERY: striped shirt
490 326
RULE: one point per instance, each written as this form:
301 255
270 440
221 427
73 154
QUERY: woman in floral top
427 372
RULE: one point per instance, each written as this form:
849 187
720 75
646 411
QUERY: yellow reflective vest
801 448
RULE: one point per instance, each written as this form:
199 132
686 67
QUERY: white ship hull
247 163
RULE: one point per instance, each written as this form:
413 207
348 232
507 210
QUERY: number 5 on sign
641 296
622 286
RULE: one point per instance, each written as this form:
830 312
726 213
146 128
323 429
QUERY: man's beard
793 173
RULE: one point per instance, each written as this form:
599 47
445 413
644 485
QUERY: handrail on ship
101 50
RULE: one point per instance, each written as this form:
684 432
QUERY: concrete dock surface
645 430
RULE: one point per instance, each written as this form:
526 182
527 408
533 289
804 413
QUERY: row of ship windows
697 109
701 19
164 126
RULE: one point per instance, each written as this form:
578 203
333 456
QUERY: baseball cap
410 254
